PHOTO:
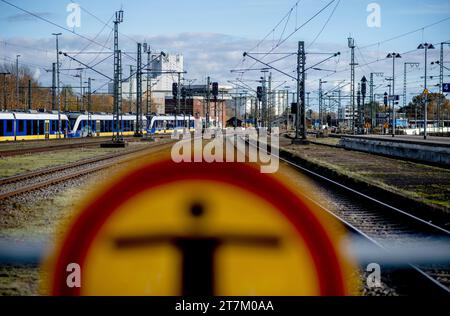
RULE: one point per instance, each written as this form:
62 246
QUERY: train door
97 128
47 129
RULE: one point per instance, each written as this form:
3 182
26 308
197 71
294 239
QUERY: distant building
196 103
279 101
163 74
345 115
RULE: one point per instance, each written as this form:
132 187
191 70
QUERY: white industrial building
345 114
163 74
279 101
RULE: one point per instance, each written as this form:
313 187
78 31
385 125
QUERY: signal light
259 92
215 89
174 89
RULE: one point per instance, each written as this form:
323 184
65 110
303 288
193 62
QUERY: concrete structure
278 101
160 82
435 150
244 105
345 115
197 103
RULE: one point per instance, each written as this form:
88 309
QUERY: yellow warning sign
199 229
425 92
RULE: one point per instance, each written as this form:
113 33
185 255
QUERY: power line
103 22
305 23
54 24
297 29
325 25
407 33
96 36
272 31
24 46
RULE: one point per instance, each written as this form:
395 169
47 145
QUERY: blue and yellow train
41 125
31 126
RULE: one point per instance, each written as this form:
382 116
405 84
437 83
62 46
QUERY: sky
212 36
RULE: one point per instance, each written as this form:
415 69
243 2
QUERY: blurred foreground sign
198 229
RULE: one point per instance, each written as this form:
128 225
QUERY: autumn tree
438 106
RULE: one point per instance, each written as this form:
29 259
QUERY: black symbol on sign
198 252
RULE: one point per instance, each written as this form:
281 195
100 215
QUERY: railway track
35 180
381 224
39 149
58 145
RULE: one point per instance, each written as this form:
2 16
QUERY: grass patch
10 166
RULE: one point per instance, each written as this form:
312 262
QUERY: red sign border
77 241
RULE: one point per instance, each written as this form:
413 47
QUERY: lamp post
80 75
385 102
426 47
57 83
89 107
393 56
363 93
17 81
320 103
287 106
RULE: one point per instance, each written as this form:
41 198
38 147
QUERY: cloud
428 9
213 54
24 17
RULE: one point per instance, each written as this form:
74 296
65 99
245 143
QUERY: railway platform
433 150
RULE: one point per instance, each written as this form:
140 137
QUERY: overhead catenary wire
325 25
296 30
55 24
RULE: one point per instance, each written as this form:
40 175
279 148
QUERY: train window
72 121
21 127
9 126
29 127
41 127
35 127
2 127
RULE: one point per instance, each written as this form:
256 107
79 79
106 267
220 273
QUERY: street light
57 83
17 81
393 56
426 47
80 75
363 93
320 102
385 102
